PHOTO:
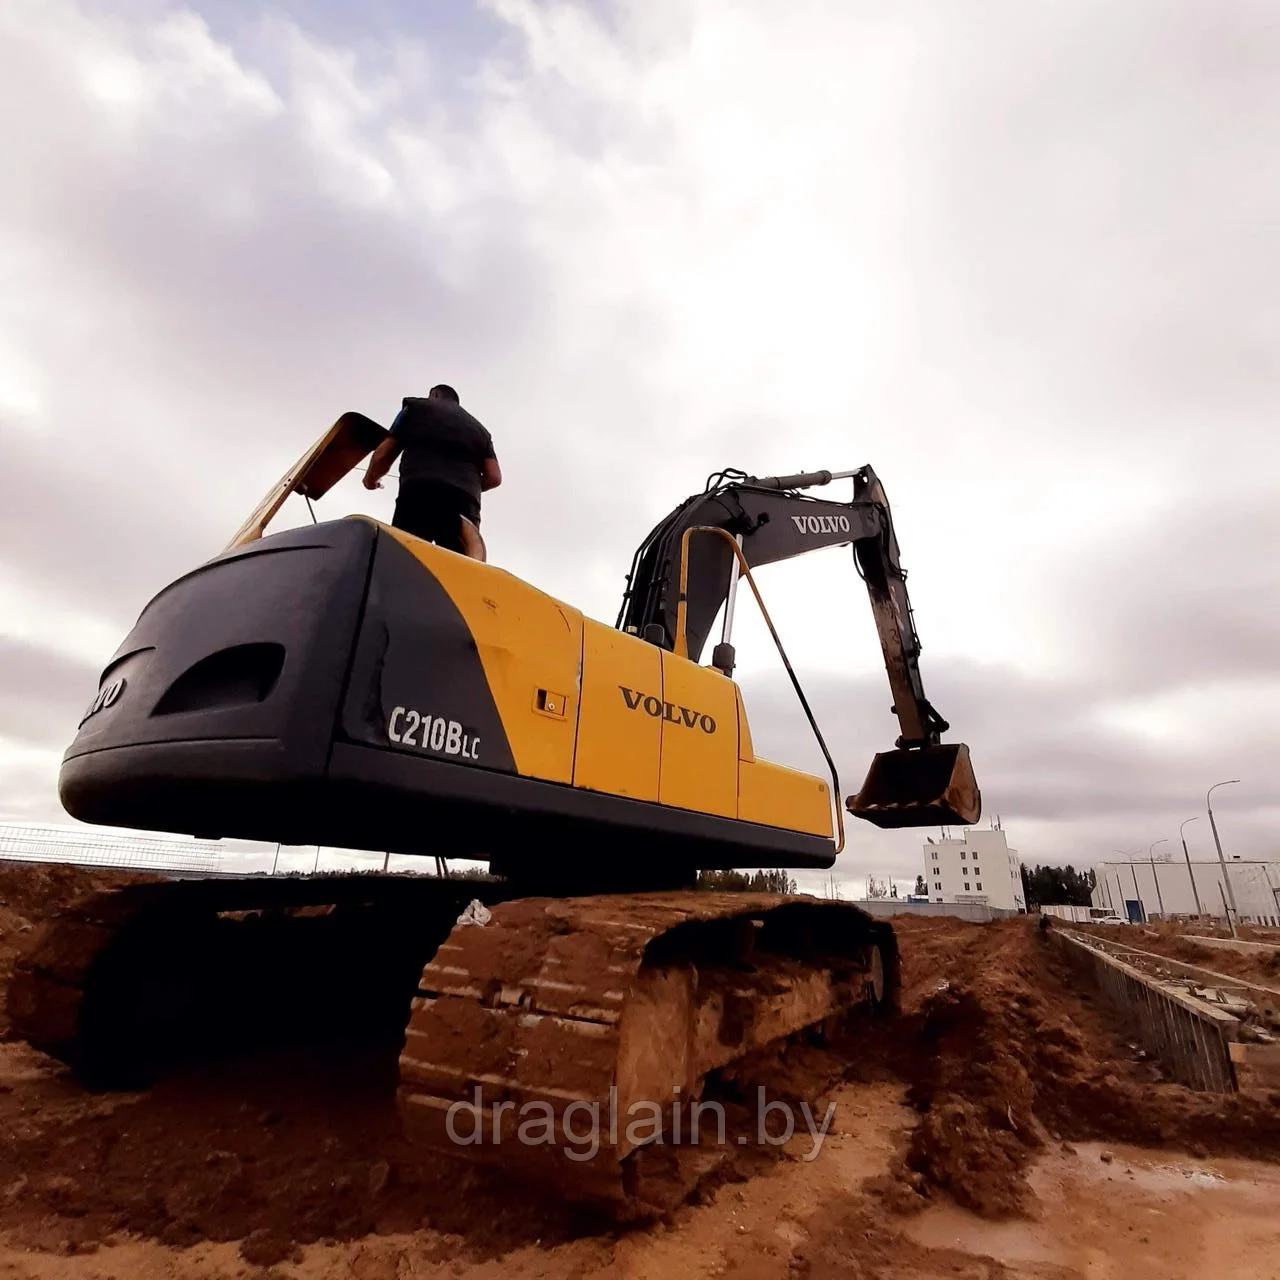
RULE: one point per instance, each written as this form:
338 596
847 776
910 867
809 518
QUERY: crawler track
604 1017
580 1016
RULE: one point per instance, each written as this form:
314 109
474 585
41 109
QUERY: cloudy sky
1020 258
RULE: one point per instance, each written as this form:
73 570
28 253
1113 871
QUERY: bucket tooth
919 787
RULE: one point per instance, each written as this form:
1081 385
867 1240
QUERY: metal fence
24 843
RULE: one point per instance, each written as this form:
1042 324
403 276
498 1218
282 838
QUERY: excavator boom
922 782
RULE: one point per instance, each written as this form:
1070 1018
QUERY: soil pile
296 1145
30 892
300 1144
848 1241
306 1145
34 890
1004 1051
1262 966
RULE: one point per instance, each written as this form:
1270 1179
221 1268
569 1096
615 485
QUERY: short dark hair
446 392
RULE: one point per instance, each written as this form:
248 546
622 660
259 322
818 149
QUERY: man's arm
383 456
490 472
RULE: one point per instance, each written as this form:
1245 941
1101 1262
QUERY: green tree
776 881
1055 886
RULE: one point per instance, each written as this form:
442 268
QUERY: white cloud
29 792
1015 257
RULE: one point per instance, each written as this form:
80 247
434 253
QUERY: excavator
346 684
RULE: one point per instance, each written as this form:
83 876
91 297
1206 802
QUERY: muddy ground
1006 1125
1172 940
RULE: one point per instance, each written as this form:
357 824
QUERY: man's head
443 392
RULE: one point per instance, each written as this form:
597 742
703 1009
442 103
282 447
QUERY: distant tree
776 881
922 890
1054 886
723 881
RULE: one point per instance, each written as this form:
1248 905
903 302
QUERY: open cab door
338 452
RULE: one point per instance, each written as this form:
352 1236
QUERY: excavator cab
919 787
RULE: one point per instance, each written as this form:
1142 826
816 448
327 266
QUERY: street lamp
1191 875
1137 892
1233 914
1151 859
1106 889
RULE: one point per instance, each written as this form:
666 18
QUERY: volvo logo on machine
108 696
821 524
668 711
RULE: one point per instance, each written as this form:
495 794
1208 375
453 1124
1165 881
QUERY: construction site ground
1005 1126
1260 964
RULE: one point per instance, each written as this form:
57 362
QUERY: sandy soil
1262 967
27 890
1124 1212
978 1136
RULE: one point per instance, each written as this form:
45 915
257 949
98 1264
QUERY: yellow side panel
779 797
530 646
619 745
699 717
745 750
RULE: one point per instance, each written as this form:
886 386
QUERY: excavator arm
921 782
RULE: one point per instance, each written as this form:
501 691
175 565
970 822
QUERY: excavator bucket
919 787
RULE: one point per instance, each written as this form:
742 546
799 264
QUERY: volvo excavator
348 685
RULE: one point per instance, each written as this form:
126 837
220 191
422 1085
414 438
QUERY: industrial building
978 867
1140 890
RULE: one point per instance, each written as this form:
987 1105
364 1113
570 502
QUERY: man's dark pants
433 511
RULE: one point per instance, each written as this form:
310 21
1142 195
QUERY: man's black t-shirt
441 442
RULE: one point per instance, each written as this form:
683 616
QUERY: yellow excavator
346 684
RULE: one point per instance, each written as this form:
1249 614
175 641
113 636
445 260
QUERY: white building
978 868
1139 890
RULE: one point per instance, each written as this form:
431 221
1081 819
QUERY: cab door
619 740
699 738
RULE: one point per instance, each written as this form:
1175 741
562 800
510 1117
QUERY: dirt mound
29 893
1253 966
1001 1049
33 890
848 1241
978 1047
300 1144
1006 1051
305 1145
1264 964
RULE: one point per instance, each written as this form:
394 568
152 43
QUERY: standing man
448 461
